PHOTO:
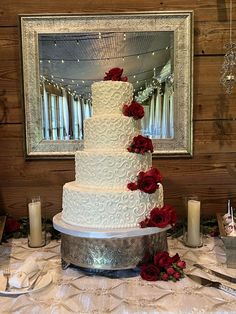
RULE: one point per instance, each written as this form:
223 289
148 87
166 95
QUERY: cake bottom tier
107 208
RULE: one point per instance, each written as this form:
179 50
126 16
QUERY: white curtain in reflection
83 111
66 116
86 109
151 124
158 111
145 121
165 127
75 123
61 118
154 112
46 126
86 112
80 118
53 101
171 114
90 108
168 113
42 118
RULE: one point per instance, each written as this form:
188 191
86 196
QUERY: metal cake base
112 249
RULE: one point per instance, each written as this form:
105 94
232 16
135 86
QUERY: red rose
170 270
176 275
161 266
159 218
125 110
162 259
175 258
149 272
132 186
147 184
164 276
181 264
147 181
11 225
154 173
141 145
144 223
134 110
115 74
172 214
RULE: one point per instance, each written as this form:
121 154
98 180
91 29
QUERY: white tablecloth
72 291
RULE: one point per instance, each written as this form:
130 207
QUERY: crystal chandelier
228 68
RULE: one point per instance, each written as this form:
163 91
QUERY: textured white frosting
100 208
108 169
110 132
99 197
108 97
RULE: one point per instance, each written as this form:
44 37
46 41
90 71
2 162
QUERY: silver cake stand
114 249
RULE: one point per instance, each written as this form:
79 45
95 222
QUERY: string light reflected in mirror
147 58
228 74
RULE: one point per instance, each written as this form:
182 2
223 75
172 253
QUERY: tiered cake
99 197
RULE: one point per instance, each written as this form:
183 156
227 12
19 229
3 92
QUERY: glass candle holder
189 243
36 229
193 236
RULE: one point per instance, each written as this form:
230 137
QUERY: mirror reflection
70 63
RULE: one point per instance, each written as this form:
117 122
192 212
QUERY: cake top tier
108 97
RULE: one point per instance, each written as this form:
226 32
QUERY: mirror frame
31 26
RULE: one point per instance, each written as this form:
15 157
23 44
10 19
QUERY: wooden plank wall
210 174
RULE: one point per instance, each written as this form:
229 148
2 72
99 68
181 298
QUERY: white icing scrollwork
108 97
108 169
110 132
107 208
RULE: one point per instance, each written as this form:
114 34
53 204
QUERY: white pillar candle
35 223
193 223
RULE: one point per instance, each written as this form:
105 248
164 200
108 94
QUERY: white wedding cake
99 197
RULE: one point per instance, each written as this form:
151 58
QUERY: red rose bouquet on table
161 266
146 181
134 110
115 74
140 145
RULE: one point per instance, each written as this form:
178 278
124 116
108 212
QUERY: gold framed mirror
62 55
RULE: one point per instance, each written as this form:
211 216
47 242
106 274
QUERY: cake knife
213 272
215 284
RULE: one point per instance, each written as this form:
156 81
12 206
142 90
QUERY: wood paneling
210 10
211 173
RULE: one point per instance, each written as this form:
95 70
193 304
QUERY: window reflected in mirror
70 63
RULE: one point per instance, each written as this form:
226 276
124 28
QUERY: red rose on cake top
115 74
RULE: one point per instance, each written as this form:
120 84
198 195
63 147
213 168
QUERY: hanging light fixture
228 75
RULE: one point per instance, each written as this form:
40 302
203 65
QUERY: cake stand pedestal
113 249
